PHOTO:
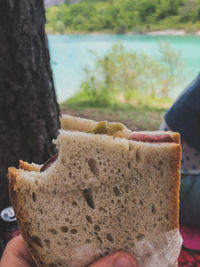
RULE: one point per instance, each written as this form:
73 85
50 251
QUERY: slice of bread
100 195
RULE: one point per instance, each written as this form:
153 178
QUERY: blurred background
128 53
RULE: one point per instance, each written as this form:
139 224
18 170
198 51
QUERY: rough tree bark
29 114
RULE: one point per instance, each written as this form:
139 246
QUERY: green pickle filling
104 127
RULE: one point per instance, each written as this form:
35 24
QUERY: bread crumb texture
102 194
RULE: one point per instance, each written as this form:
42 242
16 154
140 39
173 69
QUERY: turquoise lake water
71 53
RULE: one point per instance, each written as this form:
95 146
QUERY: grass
135 117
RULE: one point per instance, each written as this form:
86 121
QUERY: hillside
121 16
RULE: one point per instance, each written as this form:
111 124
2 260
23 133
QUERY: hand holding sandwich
16 255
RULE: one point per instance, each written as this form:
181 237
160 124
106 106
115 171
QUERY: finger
117 259
16 254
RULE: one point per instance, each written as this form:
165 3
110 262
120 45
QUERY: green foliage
192 27
122 27
190 12
168 8
174 64
146 9
52 15
122 75
121 16
60 27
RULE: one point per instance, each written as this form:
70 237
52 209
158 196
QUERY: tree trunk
29 113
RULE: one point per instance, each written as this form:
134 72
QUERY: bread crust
17 205
29 167
176 164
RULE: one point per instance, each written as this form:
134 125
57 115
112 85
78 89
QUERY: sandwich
107 189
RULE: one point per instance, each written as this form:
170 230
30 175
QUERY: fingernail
123 261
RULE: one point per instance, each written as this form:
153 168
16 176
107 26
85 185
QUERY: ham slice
152 138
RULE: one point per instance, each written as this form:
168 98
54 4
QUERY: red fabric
191 240
189 259
191 237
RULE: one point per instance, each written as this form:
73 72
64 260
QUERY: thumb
117 259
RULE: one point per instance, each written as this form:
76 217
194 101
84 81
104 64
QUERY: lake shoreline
166 32
172 32
158 32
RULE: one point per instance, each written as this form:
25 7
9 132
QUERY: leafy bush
122 75
174 66
60 27
122 27
52 15
191 27
190 11
79 20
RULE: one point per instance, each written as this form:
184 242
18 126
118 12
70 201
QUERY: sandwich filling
115 129
152 138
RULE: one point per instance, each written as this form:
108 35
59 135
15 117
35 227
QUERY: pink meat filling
152 138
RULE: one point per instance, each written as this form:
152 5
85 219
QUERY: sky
49 3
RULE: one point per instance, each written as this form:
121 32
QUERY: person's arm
184 115
189 200
17 255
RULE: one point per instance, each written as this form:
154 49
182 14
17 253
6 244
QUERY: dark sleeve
190 200
184 115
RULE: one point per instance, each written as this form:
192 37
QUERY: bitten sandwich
107 189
